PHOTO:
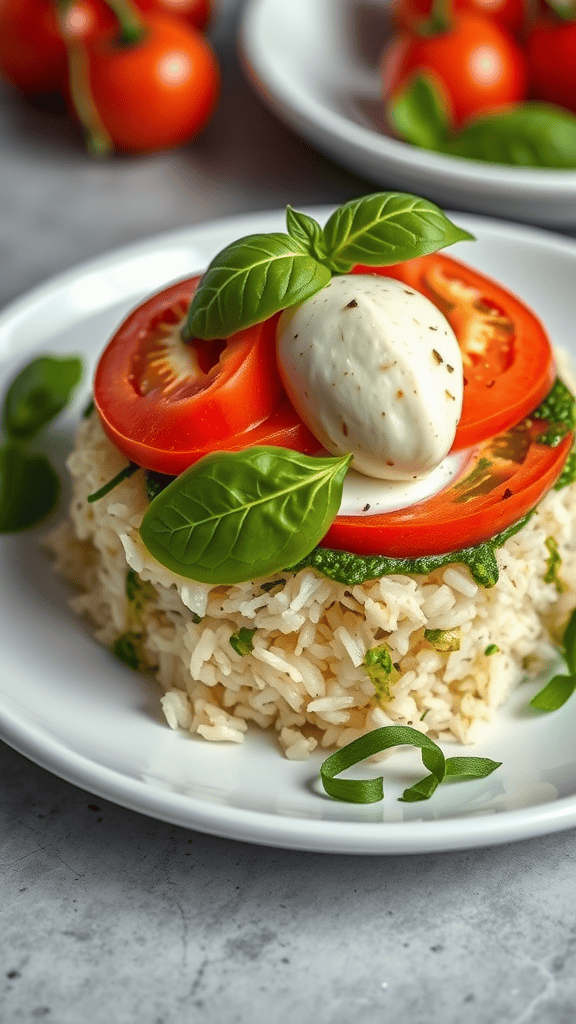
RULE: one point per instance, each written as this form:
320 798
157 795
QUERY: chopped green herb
559 409
138 593
267 587
195 618
369 791
561 686
553 564
423 715
156 482
241 641
491 649
127 648
444 639
128 471
381 671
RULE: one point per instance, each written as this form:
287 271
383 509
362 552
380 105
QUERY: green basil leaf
386 228
307 232
569 642
251 280
38 393
554 694
236 516
418 114
369 791
29 489
530 134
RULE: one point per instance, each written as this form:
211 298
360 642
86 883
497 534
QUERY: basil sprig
29 485
370 791
259 275
236 516
561 686
529 134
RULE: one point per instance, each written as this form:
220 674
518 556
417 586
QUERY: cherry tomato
156 93
507 477
165 403
551 56
86 19
32 54
196 12
508 14
476 65
508 360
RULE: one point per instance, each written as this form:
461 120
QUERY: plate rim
248 825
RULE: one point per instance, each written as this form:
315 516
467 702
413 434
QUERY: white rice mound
305 677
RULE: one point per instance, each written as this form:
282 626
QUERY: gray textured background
108 917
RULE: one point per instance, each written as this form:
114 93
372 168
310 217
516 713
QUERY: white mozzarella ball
374 368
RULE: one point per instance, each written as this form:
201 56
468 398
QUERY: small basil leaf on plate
418 114
38 393
251 280
554 694
236 516
530 134
386 228
29 488
307 232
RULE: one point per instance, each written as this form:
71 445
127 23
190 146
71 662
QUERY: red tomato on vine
476 65
551 57
157 92
32 54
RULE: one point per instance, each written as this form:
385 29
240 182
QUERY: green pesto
381 671
444 639
241 641
568 474
344 567
126 647
553 563
559 409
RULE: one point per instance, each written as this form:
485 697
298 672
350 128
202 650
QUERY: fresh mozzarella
374 368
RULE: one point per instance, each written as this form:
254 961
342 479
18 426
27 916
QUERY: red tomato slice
506 478
165 403
508 360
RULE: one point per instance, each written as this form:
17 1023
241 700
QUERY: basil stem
369 791
124 474
236 516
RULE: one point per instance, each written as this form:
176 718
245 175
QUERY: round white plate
315 63
67 704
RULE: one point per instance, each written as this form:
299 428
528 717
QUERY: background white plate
315 63
71 707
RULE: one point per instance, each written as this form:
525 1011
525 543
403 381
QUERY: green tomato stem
98 141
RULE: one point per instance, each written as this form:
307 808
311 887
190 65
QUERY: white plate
315 63
67 704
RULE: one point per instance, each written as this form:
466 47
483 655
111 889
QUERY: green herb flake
553 563
369 791
381 671
127 647
491 649
444 639
138 594
241 641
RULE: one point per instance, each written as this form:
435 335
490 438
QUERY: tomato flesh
506 478
163 404
508 360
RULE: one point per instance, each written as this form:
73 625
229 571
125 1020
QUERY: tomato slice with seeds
165 403
508 360
504 479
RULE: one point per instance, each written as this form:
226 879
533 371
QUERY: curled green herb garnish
236 516
29 485
259 275
242 641
369 791
561 686
124 474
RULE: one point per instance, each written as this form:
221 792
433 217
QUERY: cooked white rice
305 677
